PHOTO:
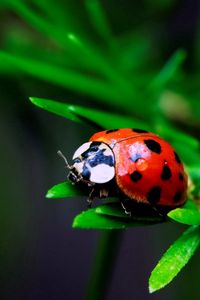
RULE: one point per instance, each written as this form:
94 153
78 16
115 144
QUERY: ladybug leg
103 193
125 207
91 198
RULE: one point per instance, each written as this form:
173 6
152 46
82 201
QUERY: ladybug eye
72 177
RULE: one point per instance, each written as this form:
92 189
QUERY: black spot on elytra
166 173
139 130
177 158
181 177
111 130
154 195
136 176
177 197
153 146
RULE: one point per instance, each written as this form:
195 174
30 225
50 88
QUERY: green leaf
63 190
140 213
87 115
60 109
190 204
174 259
94 219
89 219
185 216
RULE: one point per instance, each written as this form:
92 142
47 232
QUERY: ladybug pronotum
133 163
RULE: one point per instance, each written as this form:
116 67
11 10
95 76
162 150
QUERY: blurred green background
139 59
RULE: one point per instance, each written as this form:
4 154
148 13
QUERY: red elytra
147 168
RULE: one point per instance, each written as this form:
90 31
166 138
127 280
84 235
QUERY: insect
131 163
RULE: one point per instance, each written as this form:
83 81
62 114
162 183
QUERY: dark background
41 256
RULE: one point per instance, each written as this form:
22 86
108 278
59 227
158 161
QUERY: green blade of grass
174 259
88 115
107 119
63 190
189 155
183 143
185 215
99 21
55 11
172 134
83 51
60 109
65 78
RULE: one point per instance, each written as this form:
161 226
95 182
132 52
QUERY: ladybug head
93 162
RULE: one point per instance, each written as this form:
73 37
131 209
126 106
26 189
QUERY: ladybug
136 164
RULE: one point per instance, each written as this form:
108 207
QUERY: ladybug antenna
63 157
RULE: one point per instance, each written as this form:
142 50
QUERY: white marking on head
81 149
106 148
102 173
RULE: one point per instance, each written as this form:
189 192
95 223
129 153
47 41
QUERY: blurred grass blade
54 10
62 77
88 115
62 190
99 20
169 70
185 216
174 259
189 155
171 133
72 43
194 171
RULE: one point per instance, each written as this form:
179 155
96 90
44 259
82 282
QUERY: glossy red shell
148 169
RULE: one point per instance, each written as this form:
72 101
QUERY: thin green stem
105 259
